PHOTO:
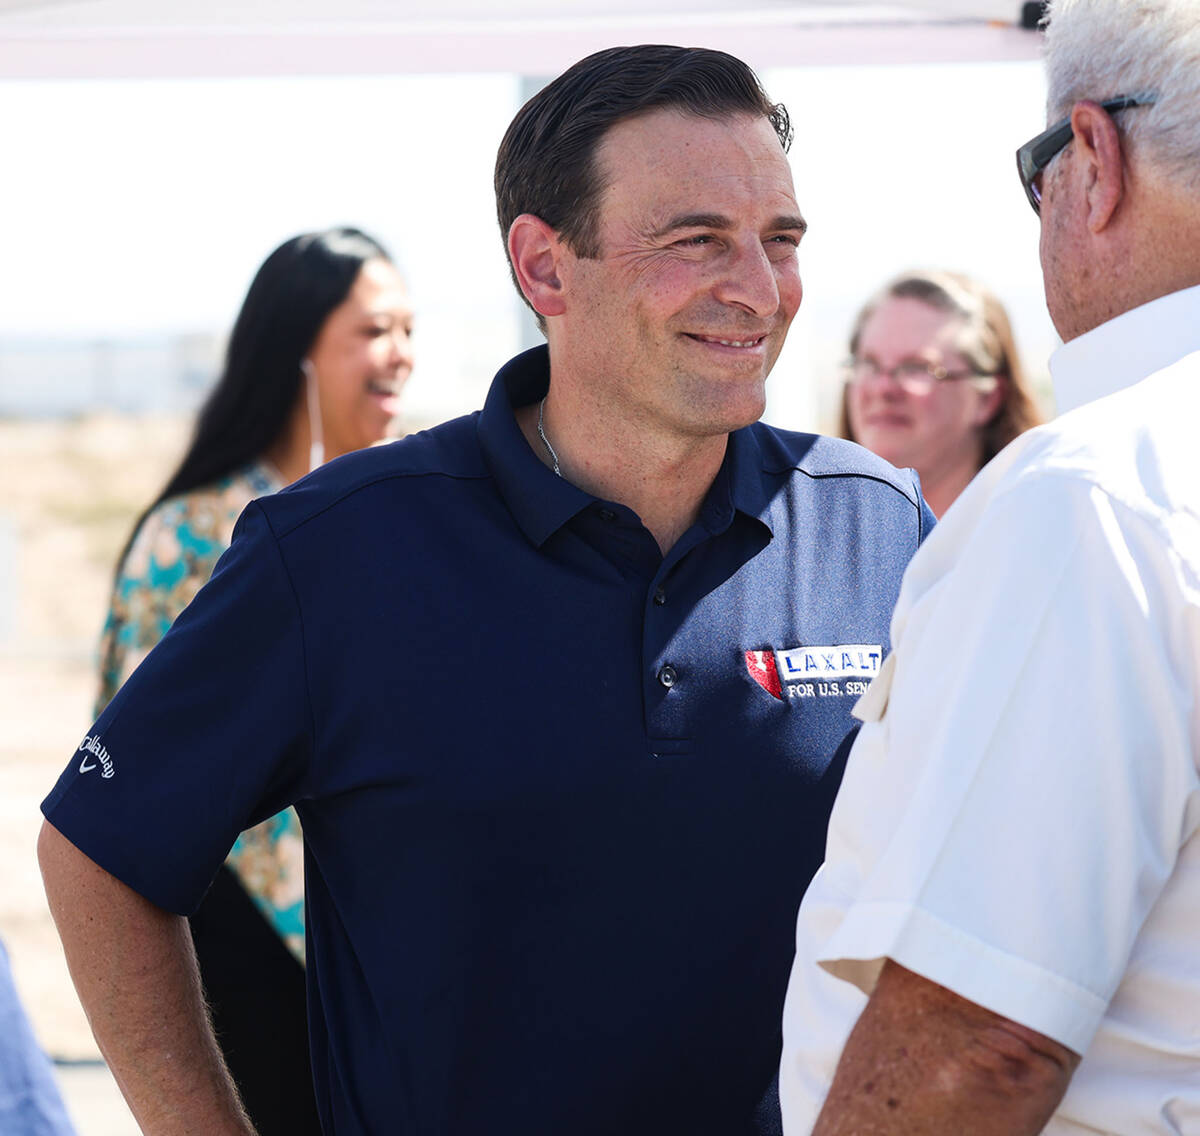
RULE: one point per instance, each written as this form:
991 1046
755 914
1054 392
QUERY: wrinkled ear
534 248
1101 160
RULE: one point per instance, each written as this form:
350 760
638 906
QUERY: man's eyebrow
790 221
694 221
787 221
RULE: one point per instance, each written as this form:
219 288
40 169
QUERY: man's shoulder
1125 462
1136 443
818 456
443 454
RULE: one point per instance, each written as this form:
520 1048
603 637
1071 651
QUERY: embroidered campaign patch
834 671
761 665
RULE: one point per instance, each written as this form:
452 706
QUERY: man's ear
1100 160
534 249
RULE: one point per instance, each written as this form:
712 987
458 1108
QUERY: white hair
1099 49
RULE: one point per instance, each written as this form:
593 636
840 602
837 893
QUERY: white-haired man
1005 937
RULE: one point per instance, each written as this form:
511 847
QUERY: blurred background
154 154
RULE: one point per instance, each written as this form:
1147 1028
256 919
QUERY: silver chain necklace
545 440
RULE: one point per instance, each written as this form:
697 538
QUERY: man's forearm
923 1060
134 968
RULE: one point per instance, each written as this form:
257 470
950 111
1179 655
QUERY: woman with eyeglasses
319 354
933 381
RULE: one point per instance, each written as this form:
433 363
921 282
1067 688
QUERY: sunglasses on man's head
1039 152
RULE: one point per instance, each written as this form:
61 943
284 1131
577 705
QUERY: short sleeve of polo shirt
211 734
1010 818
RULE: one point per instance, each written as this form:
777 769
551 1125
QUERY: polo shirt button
668 676
660 595
607 515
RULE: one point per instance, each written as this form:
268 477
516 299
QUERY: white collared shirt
1020 815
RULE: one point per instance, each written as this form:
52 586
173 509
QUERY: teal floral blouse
171 558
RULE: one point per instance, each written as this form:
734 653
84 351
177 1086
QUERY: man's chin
737 417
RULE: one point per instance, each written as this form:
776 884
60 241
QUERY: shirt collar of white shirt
1126 349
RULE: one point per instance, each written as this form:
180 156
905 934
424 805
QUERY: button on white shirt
1019 816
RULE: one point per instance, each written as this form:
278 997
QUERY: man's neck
663 482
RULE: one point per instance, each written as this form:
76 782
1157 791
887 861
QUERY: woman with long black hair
317 359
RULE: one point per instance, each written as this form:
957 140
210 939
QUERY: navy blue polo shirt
560 795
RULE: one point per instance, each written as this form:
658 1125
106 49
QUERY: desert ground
69 491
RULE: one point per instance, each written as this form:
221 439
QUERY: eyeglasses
1039 152
912 375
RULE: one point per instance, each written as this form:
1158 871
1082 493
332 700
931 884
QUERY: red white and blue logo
762 668
815 672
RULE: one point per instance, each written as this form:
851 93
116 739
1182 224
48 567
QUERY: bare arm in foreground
923 1060
135 970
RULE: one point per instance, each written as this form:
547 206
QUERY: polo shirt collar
542 502
1126 349
741 484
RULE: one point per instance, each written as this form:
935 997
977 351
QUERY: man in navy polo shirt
560 689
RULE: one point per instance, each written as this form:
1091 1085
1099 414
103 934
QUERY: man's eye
699 239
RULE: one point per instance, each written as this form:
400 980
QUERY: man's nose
750 281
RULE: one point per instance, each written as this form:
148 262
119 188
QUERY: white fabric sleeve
1034 764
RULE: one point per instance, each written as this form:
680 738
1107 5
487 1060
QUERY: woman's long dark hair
290 298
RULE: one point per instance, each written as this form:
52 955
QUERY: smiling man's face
679 319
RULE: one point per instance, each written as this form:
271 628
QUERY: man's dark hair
547 161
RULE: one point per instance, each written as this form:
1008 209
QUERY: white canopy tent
212 38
